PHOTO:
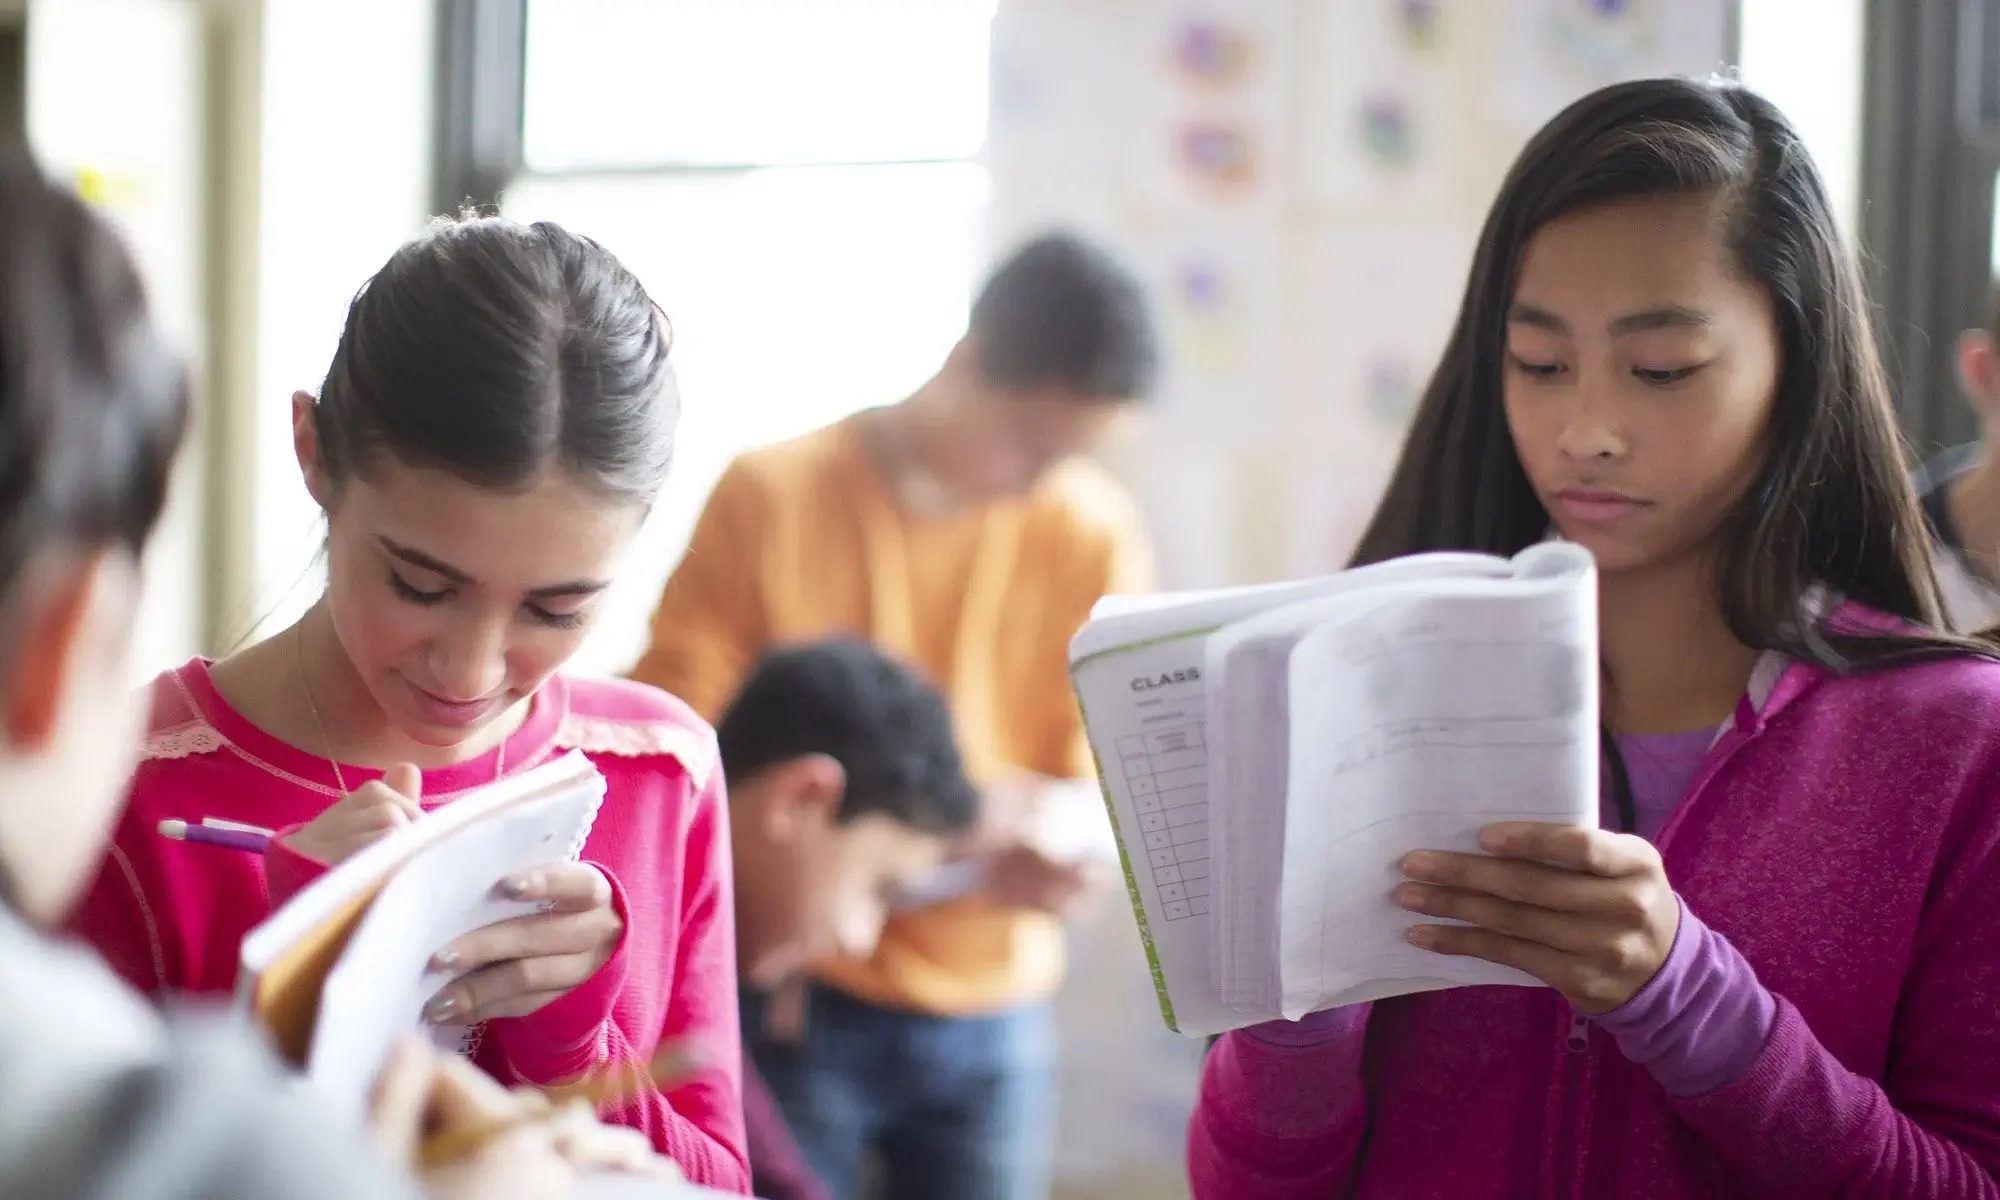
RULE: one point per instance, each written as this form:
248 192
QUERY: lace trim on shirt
182 741
640 739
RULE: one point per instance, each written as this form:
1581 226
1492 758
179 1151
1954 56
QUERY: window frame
1927 224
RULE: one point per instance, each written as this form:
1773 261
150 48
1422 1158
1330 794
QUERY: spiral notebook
1269 754
342 971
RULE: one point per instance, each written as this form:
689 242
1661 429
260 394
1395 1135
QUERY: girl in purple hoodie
1776 970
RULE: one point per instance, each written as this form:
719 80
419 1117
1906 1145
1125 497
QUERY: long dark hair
93 404
1833 506
496 351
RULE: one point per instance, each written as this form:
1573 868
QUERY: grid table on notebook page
1166 771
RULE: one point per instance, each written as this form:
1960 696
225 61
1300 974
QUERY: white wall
114 109
342 177
1805 56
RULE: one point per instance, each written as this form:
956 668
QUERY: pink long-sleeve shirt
170 916
1840 846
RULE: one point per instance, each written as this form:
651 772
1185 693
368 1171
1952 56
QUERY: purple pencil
228 839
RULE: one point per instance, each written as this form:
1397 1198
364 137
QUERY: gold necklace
326 739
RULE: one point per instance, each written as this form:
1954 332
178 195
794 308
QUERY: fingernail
517 887
1409 896
1419 864
438 1010
445 959
1492 841
1422 935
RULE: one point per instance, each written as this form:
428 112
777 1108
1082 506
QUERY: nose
1591 428
470 662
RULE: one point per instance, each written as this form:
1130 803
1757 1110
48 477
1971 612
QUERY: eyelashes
1655 377
411 594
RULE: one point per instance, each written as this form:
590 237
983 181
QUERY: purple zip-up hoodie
1839 855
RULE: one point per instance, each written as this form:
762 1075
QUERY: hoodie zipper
1574 1077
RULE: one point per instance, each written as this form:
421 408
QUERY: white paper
1386 294
1218 294
1554 52
376 991
1381 130
1190 509
1331 507
1146 709
1212 104
1139 671
1437 709
1235 904
1061 84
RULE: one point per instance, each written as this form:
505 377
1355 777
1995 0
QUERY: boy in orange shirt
962 529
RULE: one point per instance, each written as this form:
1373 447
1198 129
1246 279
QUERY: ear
305 445
1979 370
51 633
803 792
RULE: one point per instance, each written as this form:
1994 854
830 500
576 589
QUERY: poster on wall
1378 115
1061 90
1212 102
1387 295
1331 505
1216 291
1556 51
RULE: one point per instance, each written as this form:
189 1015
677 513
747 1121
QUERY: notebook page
324 897
1248 664
1145 709
376 993
1438 709
1250 705
1120 621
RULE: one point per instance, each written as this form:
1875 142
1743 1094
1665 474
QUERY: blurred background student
1960 489
962 530
846 789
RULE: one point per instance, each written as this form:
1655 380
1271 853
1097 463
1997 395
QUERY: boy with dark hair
845 789
966 531
1961 490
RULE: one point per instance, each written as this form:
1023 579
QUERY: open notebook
342 970
1269 754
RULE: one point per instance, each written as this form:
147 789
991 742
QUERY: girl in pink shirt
1776 970
497 419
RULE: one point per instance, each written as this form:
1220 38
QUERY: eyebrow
1667 316
437 566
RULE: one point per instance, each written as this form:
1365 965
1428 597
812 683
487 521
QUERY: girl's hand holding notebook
516 966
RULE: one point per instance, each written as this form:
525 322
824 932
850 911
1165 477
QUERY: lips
1596 506
440 710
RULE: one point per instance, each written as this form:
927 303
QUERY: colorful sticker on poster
1214 107
1212 54
1386 295
1378 110
1556 51
1216 291
1220 157
1422 24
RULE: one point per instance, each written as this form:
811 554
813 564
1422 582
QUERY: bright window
828 269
